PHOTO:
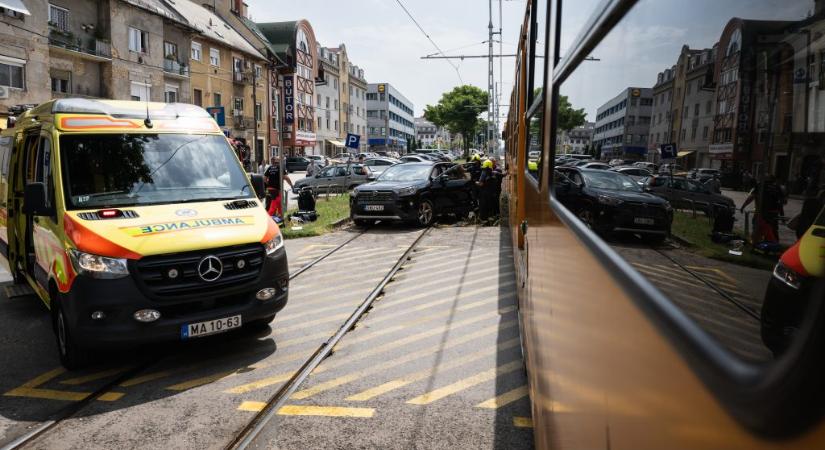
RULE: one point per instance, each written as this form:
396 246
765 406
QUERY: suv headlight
274 244
407 191
611 201
98 266
787 275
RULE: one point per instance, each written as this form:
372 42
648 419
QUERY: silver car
336 177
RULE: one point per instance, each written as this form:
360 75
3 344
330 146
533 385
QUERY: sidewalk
794 206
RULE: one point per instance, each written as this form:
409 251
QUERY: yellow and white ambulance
135 222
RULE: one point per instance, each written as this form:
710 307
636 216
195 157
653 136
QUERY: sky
383 40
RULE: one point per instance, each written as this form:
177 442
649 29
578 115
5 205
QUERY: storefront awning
335 143
15 5
683 154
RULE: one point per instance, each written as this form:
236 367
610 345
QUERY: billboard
289 99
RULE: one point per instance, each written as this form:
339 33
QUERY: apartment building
390 125
623 124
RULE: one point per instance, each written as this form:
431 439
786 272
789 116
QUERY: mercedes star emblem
210 268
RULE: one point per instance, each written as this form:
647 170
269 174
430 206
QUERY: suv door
459 189
324 179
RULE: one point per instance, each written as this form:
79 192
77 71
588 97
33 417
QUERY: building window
258 112
336 125
327 123
196 51
336 105
138 40
683 134
335 83
216 99
60 83
59 17
319 99
11 73
237 106
258 72
708 107
693 134
140 91
327 106
170 93
696 109
687 112
705 133
237 67
170 50
197 97
214 57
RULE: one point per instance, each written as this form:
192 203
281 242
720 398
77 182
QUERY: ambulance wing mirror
258 184
34 200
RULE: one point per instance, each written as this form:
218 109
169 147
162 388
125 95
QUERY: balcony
92 49
176 69
243 122
240 77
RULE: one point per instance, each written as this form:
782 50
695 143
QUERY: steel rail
309 265
255 426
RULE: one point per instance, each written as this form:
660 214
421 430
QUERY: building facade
357 92
660 120
623 124
327 93
390 120
579 140
428 135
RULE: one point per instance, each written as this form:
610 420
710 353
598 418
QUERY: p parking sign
668 151
353 140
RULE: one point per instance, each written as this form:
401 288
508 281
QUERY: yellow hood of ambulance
174 228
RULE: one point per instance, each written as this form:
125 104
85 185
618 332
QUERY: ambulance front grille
176 274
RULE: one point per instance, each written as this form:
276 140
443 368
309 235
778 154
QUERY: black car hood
389 185
628 196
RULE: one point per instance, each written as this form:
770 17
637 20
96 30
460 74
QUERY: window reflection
713 113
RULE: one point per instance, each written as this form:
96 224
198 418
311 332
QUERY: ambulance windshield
115 170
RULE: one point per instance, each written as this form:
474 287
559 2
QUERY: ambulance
134 222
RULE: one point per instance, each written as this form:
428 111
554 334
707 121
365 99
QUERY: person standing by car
769 206
713 184
272 177
487 187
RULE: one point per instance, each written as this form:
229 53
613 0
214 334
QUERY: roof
213 27
281 37
160 8
120 108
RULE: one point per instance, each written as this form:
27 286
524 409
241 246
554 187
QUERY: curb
681 240
338 223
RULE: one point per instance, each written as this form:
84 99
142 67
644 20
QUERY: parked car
321 160
378 165
344 156
579 157
685 193
416 192
653 168
637 173
702 175
608 201
595 165
433 155
414 158
667 168
533 155
335 177
790 288
296 163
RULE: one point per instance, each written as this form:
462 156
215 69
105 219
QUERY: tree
567 117
458 111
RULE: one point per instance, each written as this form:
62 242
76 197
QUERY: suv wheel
426 213
72 355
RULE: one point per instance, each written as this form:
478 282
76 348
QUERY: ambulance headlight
274 244
98 266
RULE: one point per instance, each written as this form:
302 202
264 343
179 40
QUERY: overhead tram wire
441 52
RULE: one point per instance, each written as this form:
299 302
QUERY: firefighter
487 191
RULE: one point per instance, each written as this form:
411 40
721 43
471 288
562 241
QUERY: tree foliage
458 111
569 118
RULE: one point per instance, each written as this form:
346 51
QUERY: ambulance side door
46 242
6 143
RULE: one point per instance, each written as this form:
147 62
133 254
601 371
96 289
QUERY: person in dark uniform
487 187
273 187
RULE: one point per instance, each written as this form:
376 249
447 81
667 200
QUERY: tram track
74 408
254 427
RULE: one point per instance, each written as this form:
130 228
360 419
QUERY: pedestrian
811 207
747 180
487 187
311 168
769 207
274 189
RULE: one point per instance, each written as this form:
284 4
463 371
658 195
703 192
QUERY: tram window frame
535 102
772 401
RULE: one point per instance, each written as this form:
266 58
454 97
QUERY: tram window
539 49
535 137
758 64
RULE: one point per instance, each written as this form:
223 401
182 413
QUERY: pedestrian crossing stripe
32 389
505 398
301 410
460 385
522 422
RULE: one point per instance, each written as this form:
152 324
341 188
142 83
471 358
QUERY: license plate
374 208
193 330
644 221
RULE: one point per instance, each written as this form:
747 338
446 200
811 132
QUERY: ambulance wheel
72 355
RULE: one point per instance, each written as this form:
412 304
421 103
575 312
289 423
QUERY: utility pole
255 116
491 88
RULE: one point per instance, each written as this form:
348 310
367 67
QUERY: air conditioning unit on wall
4 92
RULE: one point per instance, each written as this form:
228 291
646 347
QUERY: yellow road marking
423 374
297 410
720 272
505 398
30 389
522 422
92 377
41 379
151 377
460 385
352 376
110 396
244 388
200 381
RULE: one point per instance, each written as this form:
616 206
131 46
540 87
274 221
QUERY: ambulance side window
5 155
40 167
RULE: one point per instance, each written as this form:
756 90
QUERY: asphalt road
443 332
730 316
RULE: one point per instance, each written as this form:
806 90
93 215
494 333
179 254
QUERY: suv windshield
610 180
406 172
110 170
